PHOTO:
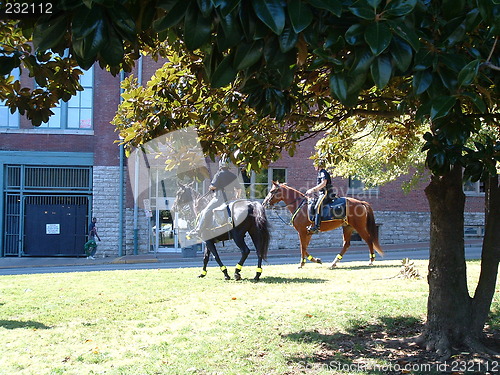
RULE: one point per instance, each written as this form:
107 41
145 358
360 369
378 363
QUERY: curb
129 260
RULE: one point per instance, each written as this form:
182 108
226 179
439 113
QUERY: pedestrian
91 246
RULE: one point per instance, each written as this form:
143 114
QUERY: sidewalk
327 254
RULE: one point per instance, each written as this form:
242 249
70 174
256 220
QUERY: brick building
56 177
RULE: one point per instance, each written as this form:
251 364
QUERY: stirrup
312 229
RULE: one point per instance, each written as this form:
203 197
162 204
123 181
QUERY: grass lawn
313 321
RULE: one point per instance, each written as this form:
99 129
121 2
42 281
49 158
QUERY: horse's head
274 196
183 196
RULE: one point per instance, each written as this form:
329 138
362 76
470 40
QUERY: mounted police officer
326 195
225 186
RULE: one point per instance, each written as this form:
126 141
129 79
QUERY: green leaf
224 74
363 60
205 6
87 21
381 71
338 86
230 34
7 64
401 53
227 6
362 10
123 22
441 106
300 15
378 36
272 13
333 6
288 39
197 29
478 102
112 50
355 34
406 33
173 17
398 8
421 81
49 34
456 36
247 54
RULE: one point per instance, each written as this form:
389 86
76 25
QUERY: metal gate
55 225
46 210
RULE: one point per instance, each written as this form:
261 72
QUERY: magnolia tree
257 76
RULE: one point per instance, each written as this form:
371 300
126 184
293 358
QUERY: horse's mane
291 188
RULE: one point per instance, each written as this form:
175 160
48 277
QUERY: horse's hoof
370 264
318 260
227 277
237 276
332 266
256 279
201 276
301 265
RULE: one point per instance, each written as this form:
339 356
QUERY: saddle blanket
224 214
334 210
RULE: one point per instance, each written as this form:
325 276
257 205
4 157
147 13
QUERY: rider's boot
313 229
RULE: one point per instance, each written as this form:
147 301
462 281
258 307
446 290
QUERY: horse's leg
305 238
257 243
210 245
206 258
363 233
347 233
259 270
239 240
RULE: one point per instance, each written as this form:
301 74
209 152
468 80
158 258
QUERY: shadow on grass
291 280
16 324
361 346
346 266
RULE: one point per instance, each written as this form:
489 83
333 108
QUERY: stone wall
395 227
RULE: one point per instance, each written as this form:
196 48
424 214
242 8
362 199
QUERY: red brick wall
106 100
391 197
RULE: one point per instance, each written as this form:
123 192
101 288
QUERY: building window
356 186
474 188
257 184
77 112
7 119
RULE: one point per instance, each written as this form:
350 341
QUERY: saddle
335 210
224 214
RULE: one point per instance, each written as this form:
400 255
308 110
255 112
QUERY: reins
294 214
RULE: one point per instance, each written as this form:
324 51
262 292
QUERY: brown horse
359 217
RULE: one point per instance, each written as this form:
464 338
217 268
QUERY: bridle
294 214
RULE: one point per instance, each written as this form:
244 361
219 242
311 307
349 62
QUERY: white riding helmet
224 162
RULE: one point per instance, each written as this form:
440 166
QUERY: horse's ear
276 183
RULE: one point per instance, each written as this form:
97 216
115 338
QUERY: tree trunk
489 259
449 304
453 318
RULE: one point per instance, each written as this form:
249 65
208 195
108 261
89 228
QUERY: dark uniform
326 195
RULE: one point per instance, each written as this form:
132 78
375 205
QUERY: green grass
171 322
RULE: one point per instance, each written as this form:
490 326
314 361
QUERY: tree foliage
416 61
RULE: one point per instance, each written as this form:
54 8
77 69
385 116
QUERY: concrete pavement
419 250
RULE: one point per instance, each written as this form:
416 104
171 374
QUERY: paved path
27 265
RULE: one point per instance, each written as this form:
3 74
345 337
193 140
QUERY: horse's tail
262 224
372 228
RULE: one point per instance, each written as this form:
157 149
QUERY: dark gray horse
247 216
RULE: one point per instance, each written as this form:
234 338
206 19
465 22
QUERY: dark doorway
53 229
